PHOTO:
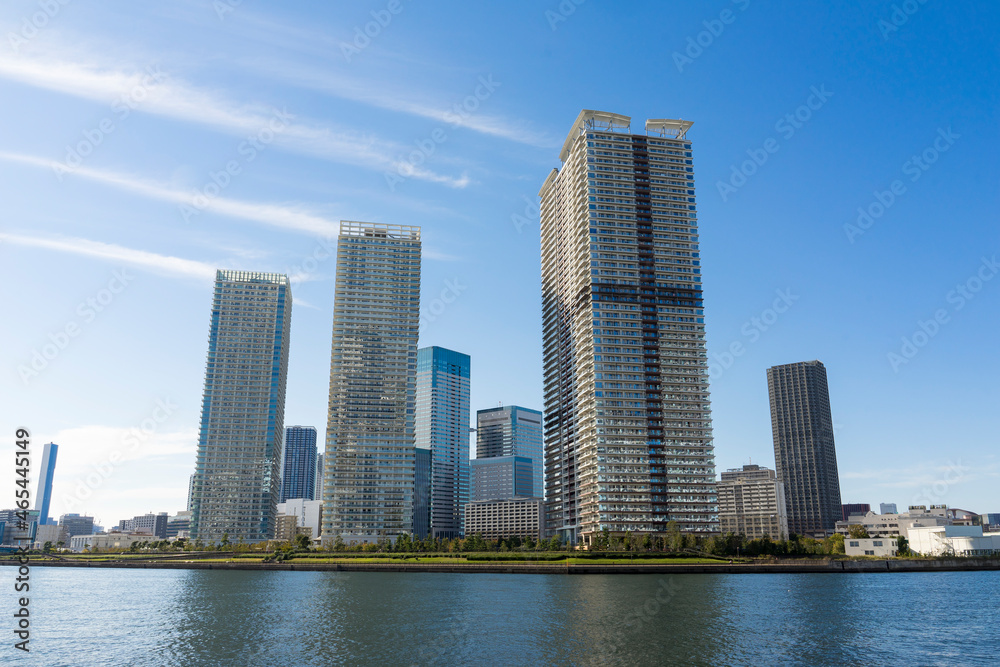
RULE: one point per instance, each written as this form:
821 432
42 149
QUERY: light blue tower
44 496
442 426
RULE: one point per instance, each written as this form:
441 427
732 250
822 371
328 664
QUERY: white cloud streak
283 217
160 94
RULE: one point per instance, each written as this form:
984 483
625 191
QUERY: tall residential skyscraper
238 467
628 433
44 493
804 452
369 458
511 430
298 479
442 426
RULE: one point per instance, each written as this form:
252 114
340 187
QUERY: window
877 543
855 544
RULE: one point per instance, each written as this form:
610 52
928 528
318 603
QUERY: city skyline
105 248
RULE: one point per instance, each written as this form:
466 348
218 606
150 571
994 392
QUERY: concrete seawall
798 566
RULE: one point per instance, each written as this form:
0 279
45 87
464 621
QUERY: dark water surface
195 617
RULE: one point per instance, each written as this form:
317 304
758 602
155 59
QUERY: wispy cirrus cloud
390 99
169 96
294 218
161 264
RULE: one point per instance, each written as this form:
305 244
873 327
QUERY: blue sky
142 147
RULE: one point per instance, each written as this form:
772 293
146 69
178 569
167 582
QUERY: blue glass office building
298 479
44 493
511 430
238 467
442 426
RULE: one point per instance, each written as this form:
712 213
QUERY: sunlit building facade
369 458
238 467
628 434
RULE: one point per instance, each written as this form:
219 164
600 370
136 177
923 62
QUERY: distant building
502 477
44 492
752 503
804 451
892 525
288 528
179 525
308 513
76 524
953 541
882 547
422 494
153 524
18 530
53 533
442 426
298 479
113 541
511 430
318 490
991 519
854 509
190 492
492 519
887 508
238 464
960 517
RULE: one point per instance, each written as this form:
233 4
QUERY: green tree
302 542
835 544
858 531
675 541
902 546
47 547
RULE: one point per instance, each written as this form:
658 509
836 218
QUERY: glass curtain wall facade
511 430
298 478
43 496
369 458
628 435
238 467
805 454
442 426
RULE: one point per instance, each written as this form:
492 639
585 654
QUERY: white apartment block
493 519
